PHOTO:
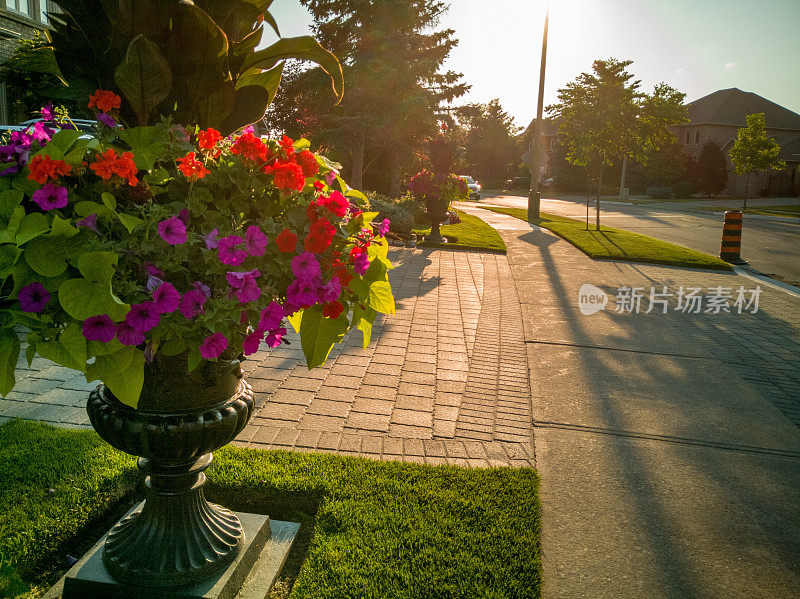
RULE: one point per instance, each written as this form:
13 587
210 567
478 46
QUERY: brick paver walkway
445 380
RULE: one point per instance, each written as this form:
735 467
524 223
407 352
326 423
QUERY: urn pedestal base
250 576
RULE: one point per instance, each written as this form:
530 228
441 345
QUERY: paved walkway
667 443
444 381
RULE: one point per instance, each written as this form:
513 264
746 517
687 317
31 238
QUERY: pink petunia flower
226 252
255 241
330 291
213 346
50 196
173 231
252 342
127 335
99 328
271 317
306 266
143 317
166 298
191 303
303 292
33 297
274 337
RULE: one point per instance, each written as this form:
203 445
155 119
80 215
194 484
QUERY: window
697 137
687 138
20 6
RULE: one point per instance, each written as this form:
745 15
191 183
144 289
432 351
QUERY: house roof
731 107
549 127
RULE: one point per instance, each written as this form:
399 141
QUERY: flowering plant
438 191
160 240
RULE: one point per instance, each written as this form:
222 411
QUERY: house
549 141
19 19
719 115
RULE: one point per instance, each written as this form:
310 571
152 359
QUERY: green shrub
400 220
683 189
660 193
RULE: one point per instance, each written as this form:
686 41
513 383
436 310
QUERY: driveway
770 244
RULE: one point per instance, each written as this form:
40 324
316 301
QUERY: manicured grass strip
470 234
373 529
792 211
616 244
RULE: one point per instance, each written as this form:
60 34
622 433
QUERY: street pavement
770 244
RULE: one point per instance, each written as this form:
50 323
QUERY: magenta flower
152 270
143 317
271 317
255 241
41 133
330 291
184 216
212 240
127 335
50 196
361 263
383 228
99 328
107 120
90 222
306 266
191 303
274 337
247 289
330 177
47 112
226 252
172 230
252 342
166 298
303 292
202 287
33 297
213 346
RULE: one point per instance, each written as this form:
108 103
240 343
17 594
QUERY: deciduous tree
753 151
490 149
710 170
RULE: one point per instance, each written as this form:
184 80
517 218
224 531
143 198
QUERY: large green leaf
249 105
31 227
69 350
303 47
318 334
9 354
144 77
122 372
92 295
380 297
46 256
42 60
146 143
9 200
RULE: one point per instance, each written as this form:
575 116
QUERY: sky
696 46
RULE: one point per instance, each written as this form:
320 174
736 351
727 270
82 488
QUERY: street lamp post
534 197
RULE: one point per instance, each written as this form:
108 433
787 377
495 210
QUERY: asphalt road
771 245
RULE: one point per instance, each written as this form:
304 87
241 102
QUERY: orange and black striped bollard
731 246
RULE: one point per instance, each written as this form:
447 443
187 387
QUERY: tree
391 54
490 148
604 118
710 171
753 151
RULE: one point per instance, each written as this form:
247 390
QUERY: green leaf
130 222
86 207
296 320
269 79
9 234
146 143
302 48
302 144
194 359
144 77
109 200
363 319
9 354
46 256
31 227
64 140
42 60
78 151
318 334
100 348
380 297
122 372
354 193
92 295
61 229
172 347
9 200
69 350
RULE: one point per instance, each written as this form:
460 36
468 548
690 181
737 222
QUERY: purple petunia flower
41 133
361 263
255 241
143 317
383 228
247 290
99 328
252 342
90 222
153 283
153 270
127 335
106 119
303 292
226 252
33 297
191 303
166 298
48 112
173 231
306 266
274 337
202 287
184 216
271 317
330 291
50 196
213 346
212 240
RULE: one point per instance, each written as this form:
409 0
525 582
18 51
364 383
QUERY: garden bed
470 234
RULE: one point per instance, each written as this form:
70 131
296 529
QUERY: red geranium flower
287 145
335 203
104 100
192 168
288 175
43 168
320 236
208 139
333 309
109 164
251 147
286 241
308 163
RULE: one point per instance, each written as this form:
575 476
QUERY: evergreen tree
753 151
391 54
710 171
490 149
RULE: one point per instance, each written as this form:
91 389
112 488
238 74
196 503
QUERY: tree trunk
357 168
588 193
395 170
599 187
746 191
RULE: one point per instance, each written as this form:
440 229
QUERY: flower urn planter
177 538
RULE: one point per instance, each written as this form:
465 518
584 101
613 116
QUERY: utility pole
534 197
622 179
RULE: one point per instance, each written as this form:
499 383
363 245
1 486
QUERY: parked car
474 187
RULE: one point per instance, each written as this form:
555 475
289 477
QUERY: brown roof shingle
731 107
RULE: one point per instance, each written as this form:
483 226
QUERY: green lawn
370 528
471 234
616 244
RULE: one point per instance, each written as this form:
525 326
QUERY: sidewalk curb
757 276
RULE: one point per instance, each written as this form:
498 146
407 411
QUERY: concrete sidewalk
667 443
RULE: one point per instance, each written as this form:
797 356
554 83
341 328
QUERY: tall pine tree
391 54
